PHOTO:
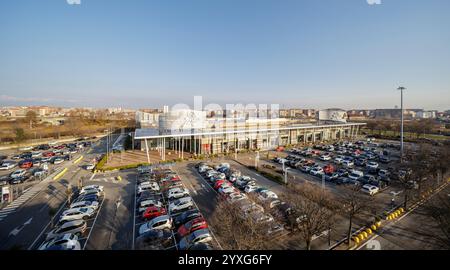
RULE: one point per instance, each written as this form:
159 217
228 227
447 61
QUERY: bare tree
238 232
353 204
439 211
313 210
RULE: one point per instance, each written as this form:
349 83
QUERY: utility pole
285 175
401 88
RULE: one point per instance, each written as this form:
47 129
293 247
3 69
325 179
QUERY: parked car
148 203
77 213
369 189
181 204
338 159
77 227
191 226
26 164
58 160
66 241
355 175
384 159
85 204
48 154
89 197
18 173
186 216
251 188
199 236
158 223
153 186
348 163
267 195
316 171
176 193
90 166
7 165
88 188
39 172
153 211
372 165
155 240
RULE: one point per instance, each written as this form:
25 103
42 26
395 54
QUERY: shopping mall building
192 131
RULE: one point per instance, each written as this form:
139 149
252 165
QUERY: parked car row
349 164
170 217
235 188
72 224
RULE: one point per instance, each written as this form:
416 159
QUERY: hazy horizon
146 54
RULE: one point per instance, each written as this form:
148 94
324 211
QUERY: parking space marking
134 219
93 224
210 229
45 228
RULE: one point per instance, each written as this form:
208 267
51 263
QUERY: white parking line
210 229
134 219
93 224
42 232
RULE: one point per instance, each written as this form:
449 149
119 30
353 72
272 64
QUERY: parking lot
23 168
55 224
172 208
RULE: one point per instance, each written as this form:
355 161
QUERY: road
413 231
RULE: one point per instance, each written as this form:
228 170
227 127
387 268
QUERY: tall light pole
401 88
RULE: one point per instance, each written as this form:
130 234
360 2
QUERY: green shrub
273 177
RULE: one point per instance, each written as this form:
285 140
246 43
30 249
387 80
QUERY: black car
27 155
19 180
384 159
185 217
155 240
331 177
342 173
4 180
343 180
90 198
360 162
44 147
149 195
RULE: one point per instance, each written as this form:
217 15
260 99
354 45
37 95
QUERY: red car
191 226
220 182
48 154
153 212
26 165
328 169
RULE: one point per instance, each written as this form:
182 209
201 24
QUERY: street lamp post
285 175
401 88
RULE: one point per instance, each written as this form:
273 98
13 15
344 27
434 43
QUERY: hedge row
273 177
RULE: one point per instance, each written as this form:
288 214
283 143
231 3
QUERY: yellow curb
78 160
60 174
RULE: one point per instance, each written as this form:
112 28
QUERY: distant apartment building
147 118
426 114
408 114
297 113
359 114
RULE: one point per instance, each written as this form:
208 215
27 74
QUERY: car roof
200 232
184 199
77 222
159 218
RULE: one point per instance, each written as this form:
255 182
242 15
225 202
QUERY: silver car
77 227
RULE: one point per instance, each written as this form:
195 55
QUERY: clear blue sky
145 53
